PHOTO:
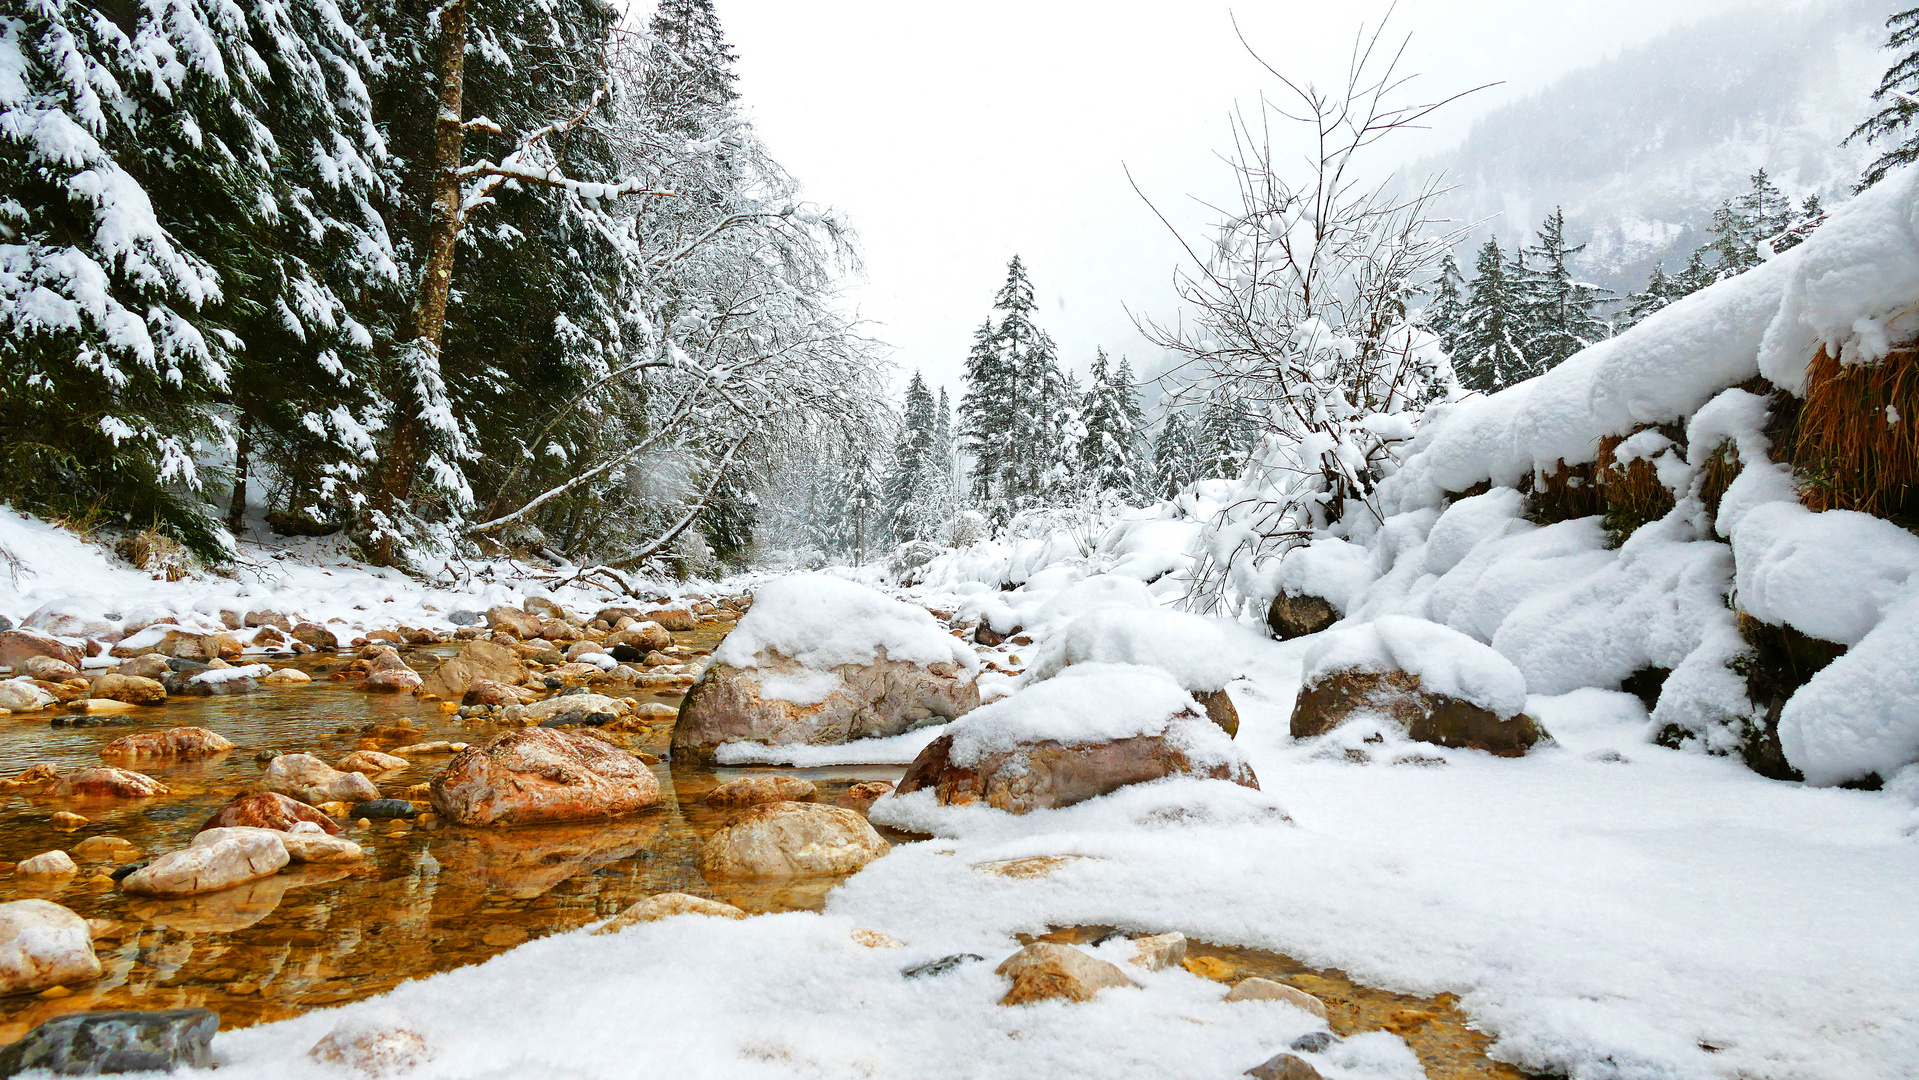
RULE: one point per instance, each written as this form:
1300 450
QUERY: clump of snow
1832 575
1446 661
1201 654
892 750
1330 568
1087 704
1856 716
821 622
217 676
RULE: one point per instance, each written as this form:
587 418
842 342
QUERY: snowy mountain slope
1640 149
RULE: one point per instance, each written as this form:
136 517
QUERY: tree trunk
237 506
401 463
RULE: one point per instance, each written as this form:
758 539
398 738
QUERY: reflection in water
424 899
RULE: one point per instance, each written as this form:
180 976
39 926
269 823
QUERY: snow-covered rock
819 660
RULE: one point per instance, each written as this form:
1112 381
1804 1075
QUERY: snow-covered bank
56 581
1664 915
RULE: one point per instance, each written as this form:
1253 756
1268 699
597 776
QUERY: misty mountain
1640 149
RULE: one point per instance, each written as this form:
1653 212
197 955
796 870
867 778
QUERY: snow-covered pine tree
696 73
1062 434
861 497
1175 454
1562 313
913 482
986 423
182 186
1661 289
1111 458
1446 310
1743 221
1224 439
1898 98
1491 355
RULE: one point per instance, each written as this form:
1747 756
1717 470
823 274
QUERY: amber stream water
432 897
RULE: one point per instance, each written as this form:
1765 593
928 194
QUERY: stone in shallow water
91 1043
43 944
310 780
267 810
665 905
383 809
231 857
791 839
754 790
1313 1042
1257 989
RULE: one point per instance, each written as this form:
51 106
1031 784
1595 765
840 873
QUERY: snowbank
1201 654
822 622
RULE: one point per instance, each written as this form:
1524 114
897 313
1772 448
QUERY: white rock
239 855
47 864
305 842
43 944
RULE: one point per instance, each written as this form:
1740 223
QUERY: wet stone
92 1043
1313 1042
383 809
1283 1067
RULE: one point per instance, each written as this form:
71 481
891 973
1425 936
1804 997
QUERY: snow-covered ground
1606 907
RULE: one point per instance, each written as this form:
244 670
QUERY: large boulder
508 619
130 1041
22 695
674 619
216 859
823 661
311 780
791 839
180 742
645 638
180 643
1433 683
132 689
754 790
17 645
306 842
268 810
43 944
476 661
108 783
537 775
1090 730
50 669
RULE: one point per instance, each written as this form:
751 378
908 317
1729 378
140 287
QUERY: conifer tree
913 481
1562 314
1661 289
1017 404
1447 309
1491 355
1111 457
1224 440
1898 97
1175 454
1741 222
697 75
986 418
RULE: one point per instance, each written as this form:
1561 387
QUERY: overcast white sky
954 135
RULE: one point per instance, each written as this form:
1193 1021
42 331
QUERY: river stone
228 857
1314 1042
268 810
43 944
189 645
106 849
67 820
109 783
180 742
19 695
16 646
1048 775
1283 1067
886 697
641 638
490 692
941 966
1257 989
50 668
401 680
1160 951
673 619
575 703
286 676
370 762
373 1046
791 839
133 689
95 1043
753 790
383 810
1425 717
513 621
1289 617
666 905
476 661
306 842
536 775
150 666
310 780
1045 970
464 617
315 635
47 864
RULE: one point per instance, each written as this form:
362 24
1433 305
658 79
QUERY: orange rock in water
268 810
542 775
109 783
180 742
1045 970
754 790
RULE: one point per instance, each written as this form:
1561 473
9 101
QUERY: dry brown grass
1721 468
1632 493
1566 493
1849 450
